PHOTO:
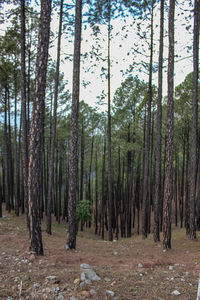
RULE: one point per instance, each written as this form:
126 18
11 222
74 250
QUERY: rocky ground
126 269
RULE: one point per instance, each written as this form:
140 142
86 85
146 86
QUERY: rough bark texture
110 212
159 132
193 144
17 197
23 108
53 136
36 129
168 186
6 163
73 159
147 142
103 191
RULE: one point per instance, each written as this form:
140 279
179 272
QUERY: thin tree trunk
157 197
103 191
148 141
182 184
110 206
53 136
16 157
96 195
168 187
10 159
73 160
193 145
23 108
6 164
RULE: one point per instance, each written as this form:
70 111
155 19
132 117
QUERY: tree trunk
157 196
110 206
6 162
17 197
96 194
53 135
36 129
73 159
23 109
193 145
147 141
103 191
168 187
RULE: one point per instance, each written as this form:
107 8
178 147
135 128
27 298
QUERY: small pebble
110 293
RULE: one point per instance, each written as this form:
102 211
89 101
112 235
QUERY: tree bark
147 141
110 206
73 159
168 186
23 108
36 129
53 135
157 197
193 145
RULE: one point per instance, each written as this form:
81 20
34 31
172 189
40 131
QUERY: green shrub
83 211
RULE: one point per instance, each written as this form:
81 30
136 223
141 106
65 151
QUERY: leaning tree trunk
159 132
73 159
36 129
193 145
168 186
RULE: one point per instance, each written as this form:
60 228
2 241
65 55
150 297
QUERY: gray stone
73 298
57 289
85 266
53 279
88 273
82 285
36 285
110 293
66 247
171 268
140 265
60 296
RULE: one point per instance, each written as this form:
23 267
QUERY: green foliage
83 211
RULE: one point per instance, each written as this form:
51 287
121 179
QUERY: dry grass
116 263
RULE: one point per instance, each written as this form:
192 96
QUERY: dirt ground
132 268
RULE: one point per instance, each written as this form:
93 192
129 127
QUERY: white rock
60 297
110 293
171 268
140 265
176 293
85 266
115 252
182 279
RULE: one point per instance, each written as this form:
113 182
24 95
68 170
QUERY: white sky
120 59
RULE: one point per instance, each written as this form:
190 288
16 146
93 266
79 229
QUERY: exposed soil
23 275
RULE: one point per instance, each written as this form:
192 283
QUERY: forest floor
132 268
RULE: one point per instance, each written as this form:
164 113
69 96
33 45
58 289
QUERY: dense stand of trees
132 170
